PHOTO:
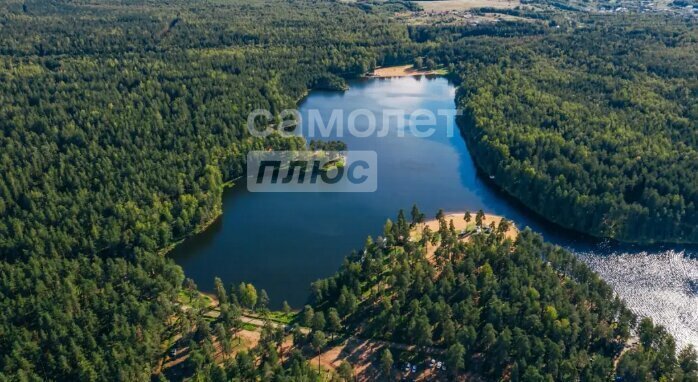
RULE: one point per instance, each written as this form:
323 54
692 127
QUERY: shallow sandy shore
460 225
400 71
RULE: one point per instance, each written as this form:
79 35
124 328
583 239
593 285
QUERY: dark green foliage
655 359
85 318
117 136
243 367
120 123
386 363
327 145
491 304
595 129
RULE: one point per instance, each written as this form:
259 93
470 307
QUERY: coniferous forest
121 122
518 310
595 129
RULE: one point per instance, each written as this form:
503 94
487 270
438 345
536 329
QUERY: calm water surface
283 242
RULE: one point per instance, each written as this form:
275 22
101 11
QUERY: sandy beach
460 224
400 71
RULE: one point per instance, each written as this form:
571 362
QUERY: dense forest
593 127
518 310
122 121
120 126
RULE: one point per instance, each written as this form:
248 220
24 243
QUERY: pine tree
307 316
386 361
334 322
455 358
286 308
319 321
220 291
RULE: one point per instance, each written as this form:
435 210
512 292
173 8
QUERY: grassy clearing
195 300
278 317
282 317
248 326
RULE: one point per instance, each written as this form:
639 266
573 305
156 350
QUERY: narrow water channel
281 242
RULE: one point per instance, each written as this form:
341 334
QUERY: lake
281 242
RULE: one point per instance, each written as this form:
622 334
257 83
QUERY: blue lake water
281 242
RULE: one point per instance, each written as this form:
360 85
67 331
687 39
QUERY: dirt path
630 344
364 356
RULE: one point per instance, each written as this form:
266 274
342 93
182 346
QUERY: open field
456 5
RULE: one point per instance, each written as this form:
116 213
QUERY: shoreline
617 243
460 224
165 251
402 71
